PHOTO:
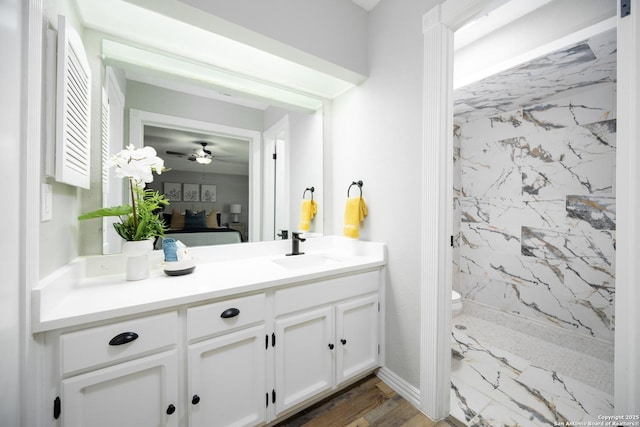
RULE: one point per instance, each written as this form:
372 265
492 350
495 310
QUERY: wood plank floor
369 402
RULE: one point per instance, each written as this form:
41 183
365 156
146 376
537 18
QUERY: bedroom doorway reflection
235 169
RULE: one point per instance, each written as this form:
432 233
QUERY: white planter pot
137 253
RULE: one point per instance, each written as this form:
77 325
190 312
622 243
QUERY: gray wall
229 189
145 97
59 237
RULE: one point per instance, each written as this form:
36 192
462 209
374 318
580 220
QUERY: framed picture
207 193
173 191
191 193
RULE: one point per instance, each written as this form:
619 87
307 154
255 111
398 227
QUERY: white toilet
456 303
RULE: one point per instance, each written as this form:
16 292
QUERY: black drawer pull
171 409
230 312
123 338
195 399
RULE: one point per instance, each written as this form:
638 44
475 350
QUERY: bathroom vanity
249 337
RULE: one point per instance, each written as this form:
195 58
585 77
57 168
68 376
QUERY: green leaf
114 211
141 231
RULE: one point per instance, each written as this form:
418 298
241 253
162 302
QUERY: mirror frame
139 118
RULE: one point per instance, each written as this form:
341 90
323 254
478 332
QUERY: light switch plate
46 202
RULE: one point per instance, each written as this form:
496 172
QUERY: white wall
377 134
334 30
10 171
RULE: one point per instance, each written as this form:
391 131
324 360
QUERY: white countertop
94 288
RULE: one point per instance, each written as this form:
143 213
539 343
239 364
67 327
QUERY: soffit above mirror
149 39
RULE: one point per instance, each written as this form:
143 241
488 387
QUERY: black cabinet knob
330 346
343 341
230 312
195 399
123 338
171 409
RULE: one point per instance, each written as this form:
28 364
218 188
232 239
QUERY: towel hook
358 183
312 189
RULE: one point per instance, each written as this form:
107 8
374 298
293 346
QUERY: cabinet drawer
301 297
225 315
116 341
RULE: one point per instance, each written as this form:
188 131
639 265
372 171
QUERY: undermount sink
297 262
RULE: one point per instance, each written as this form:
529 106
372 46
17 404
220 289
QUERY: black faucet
295 244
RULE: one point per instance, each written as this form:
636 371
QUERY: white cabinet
227 381
304 354
240 361
226 372
138 393
321 347
357 347
111 376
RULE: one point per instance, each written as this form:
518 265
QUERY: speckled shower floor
526 374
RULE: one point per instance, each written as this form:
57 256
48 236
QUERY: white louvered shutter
104 135
73 112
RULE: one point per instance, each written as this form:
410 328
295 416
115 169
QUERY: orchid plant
138 221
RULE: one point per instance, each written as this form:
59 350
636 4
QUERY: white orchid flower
137 164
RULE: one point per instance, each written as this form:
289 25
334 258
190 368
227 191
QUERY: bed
198 229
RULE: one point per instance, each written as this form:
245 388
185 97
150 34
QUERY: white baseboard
409 392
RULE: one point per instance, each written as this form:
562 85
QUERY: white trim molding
438 28
627 300
408 392
436 259
32 393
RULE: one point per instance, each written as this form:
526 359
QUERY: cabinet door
142 392
227 381
304 354
357 337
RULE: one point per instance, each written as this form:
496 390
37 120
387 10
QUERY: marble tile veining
598 212
491 386
537 211
586 63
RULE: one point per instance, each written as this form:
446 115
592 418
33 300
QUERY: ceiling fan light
203 160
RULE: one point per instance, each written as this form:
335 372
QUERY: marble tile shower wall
535 194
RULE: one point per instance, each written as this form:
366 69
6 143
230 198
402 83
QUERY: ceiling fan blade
175 153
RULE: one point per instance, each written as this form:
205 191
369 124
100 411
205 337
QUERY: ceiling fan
200 155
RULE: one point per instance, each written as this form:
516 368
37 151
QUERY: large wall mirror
183 115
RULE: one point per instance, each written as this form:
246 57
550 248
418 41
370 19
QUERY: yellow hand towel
308 209
354 213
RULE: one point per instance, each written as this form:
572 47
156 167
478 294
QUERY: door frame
281 202
139 118
439 24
